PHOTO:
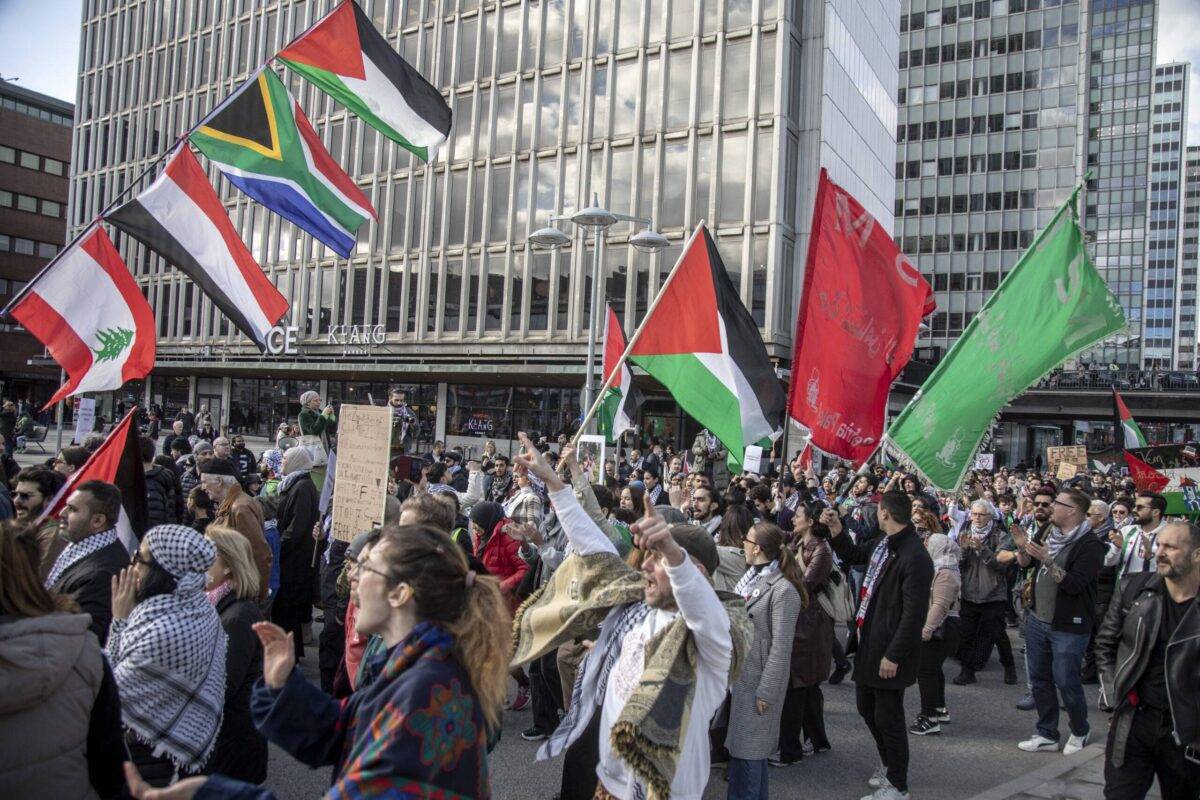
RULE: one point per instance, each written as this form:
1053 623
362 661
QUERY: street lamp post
597 220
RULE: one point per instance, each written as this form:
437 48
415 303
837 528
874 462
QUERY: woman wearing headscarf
167 651
272 470
420 725
939 635
499 550
240 751
299 511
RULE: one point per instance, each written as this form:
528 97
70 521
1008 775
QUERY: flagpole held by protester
616 373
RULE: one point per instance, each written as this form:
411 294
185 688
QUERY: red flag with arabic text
856 328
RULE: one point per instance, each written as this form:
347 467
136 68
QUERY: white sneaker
1075 743
879 779
1038 744
888 792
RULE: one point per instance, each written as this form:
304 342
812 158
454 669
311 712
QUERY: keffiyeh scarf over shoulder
649 733
168 658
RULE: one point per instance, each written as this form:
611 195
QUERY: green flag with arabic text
1052 305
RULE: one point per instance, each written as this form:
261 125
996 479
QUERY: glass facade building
675 110
1189 259
986 142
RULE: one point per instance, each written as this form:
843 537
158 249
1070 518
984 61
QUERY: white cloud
1178 22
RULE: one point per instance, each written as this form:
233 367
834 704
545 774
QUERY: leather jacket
1124 644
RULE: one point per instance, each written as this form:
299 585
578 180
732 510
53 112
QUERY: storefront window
499 412
422 399
256 407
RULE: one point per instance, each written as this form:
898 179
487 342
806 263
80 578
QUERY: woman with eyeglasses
420 727
167 649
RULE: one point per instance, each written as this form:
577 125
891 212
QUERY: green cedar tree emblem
113 342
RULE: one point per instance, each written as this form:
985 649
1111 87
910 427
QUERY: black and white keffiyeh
753 576
78 551
168 658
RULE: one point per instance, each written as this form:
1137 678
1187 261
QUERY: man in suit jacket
895 598
94 554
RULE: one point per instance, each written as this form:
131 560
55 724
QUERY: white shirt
1130 555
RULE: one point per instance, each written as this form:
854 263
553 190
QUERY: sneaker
964 678
1010 675
534 734
521 701
1075 743
888 792
1039 744
941 715
1026 703
839 673
879 779
777 761
924 726
807 748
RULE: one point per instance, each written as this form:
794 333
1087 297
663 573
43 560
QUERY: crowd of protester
664 622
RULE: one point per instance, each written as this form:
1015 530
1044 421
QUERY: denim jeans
747 779
1054 659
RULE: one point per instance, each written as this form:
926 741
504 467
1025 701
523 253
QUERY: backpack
835 596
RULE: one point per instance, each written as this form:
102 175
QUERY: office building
1189 261
676 110
35 148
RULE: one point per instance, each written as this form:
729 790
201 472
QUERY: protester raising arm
584 535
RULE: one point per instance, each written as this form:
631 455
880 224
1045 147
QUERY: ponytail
770 538
483 644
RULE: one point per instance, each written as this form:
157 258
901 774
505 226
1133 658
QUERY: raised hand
124 593
532 459
279 653
652 533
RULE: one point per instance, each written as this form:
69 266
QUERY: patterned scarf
216 594
77 551
879 560
498 491
753 576
168 658
649 732
274 461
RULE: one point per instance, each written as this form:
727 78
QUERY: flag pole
58 412
608 384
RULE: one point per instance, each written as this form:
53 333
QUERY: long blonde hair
469 606
234 550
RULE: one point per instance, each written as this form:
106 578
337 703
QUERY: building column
226 396
323 390
439 428
192 396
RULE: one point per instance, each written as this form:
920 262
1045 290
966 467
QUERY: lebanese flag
621 402
1124 425
89 313
181 218
701 343
348 59
1145 477
119 462
856 326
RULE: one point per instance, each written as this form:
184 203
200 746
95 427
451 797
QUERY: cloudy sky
39 44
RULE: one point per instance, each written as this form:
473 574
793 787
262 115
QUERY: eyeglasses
1036 504
1064 505
365 567
138 558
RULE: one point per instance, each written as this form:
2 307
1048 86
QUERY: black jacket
163 503
892 627
244 460
1075 601
1123 646
89 581
240 751
298 512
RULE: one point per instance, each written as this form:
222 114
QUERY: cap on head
699 544
220 466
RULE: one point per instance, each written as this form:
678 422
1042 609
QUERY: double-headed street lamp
597 220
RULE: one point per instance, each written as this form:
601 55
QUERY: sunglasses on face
1042 504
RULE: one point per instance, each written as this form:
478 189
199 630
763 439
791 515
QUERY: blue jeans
747 779
1054 659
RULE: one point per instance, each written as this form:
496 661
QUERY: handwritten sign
753 460
985 461
1066 471
85 418
1072 454
364 434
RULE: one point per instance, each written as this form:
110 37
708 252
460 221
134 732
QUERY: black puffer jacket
162 497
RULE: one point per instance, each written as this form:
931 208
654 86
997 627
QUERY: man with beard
36 486
1043 500
984 594
403 421
1148 653
241 456
499 483
1136 553
705 509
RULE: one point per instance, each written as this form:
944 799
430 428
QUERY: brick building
35 148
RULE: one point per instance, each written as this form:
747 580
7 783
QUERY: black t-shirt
1152 688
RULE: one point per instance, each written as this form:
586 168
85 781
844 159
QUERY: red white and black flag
181 218
89 313
119 462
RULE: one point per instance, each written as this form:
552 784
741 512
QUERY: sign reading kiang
364 436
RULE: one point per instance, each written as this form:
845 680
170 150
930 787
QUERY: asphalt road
976 751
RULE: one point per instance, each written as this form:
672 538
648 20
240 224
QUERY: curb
1061 766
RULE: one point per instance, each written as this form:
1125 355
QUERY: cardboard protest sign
1066 470
1072 453
364 436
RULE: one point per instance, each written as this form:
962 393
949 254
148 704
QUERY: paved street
975 753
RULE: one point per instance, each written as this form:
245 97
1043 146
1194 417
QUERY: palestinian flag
1126 432
622 400
90 314
261 141
348 59
180 217
119 462
701 343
